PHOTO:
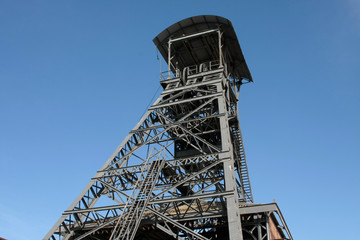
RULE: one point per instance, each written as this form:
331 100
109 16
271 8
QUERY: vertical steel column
220 48
169 58
232 203
267 227
259 228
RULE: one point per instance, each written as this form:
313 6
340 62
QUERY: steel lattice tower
181 173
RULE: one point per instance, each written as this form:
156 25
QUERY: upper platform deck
195 40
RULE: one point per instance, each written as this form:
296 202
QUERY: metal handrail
191 70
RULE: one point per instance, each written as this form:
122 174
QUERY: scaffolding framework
181 173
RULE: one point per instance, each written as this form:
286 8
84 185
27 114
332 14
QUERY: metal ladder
129 221
240 161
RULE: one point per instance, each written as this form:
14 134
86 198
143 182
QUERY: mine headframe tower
181 173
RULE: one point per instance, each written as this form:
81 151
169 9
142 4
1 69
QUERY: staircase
130 218
240 161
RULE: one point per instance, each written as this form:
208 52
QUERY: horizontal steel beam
185 101
193 35
179 225
250 209
165 92
154 202
177 123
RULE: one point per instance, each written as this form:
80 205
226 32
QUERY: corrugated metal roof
204 48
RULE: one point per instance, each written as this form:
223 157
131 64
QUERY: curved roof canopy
203 47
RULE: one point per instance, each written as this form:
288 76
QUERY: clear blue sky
76 76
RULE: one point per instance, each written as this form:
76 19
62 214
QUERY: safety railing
190 70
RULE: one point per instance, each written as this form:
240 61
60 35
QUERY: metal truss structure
181 173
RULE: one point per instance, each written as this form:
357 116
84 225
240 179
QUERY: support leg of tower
232 204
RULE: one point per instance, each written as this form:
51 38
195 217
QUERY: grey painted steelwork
181 173
202 24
